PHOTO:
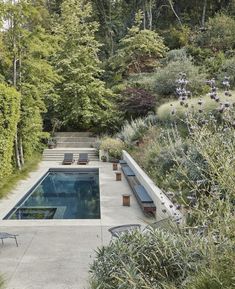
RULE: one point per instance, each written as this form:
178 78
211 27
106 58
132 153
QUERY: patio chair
118 230
83 159
68 159
4 235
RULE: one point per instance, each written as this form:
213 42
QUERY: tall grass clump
147 260
135 129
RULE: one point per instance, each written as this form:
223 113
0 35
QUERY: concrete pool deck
55 254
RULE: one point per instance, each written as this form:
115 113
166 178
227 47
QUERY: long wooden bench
145 201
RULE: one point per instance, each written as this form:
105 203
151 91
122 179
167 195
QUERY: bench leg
16 241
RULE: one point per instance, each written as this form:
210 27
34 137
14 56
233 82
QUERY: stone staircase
72 142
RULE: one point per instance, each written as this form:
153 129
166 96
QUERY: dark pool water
61 194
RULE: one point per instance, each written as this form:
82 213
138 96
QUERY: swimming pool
61 194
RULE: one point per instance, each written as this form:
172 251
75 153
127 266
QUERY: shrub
152 259
217 276
177 37
219 34
176 55
113 146
227 69
200 55
134 130
164 78
164 112
136 102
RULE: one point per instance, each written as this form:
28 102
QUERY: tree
84 100
140 50
136 102
28 46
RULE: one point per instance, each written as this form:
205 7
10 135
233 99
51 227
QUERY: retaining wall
165 208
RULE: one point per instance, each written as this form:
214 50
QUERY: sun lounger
4 235
68 159
83 159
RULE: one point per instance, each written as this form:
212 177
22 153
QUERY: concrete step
74 134
75 139
60 159
59 150
57 154
74 144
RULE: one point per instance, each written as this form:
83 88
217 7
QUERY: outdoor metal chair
4 235
118 230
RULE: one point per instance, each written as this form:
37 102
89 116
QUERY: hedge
9 117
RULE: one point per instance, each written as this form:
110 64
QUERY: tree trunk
144 14
150 15
17 155
204 13
14 76
21 151
173 10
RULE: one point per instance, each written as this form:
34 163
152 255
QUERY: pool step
57 154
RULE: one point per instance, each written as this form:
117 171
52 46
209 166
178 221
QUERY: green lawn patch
164 112
8 184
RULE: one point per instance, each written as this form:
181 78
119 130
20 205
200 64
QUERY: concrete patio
55 254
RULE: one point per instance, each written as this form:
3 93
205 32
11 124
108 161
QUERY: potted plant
51 143
104 158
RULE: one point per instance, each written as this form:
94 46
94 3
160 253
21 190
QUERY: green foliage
176 55
84 100
9 117
28 43
227 69
164 78
214 63
219 275
10 182
220 33
113 146
153 259
177 37
140 50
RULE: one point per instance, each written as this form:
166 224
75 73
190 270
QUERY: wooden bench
128 171
145 201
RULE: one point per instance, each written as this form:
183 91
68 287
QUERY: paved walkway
55 254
